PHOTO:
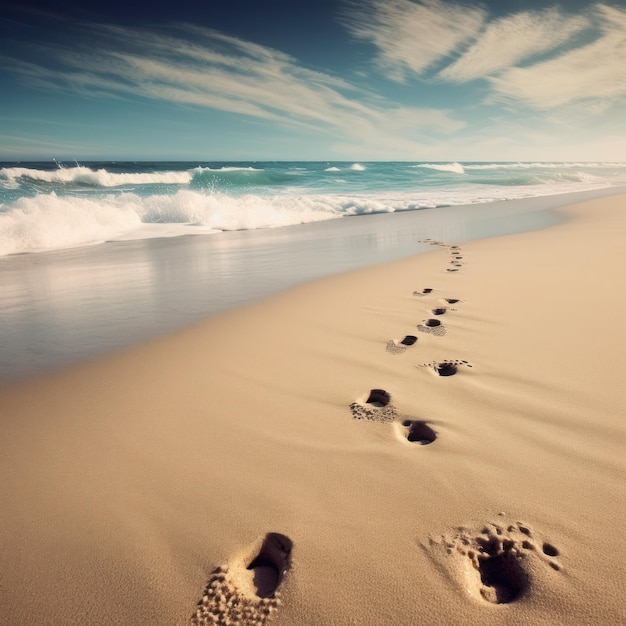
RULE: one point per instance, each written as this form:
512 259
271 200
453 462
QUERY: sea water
50 206
95 256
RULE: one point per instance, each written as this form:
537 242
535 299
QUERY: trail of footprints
378 405
494 560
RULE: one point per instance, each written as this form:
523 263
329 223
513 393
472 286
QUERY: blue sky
330 80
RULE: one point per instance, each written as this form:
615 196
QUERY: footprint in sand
377 407
441 244
446 368
424 292
455 259
380 409
417 431
431 242
398 347
245 592
496 563
432 326
453 249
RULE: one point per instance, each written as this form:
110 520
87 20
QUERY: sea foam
43 207
82 175
455 168
49 221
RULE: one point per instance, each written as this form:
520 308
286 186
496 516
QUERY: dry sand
129 480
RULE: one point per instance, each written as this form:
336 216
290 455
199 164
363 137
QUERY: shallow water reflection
60 307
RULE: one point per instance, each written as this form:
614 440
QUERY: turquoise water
51 206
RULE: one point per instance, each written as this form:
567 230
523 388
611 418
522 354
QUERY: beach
129 479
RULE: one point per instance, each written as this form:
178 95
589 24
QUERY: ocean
100 255
51 206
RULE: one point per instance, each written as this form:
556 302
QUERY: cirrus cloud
191 65
509 40
542 59
413 35
595 73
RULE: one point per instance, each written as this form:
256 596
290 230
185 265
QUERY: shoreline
129 479
64 307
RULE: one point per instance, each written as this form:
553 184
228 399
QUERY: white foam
332 169
455 168
226 169
541 165
81 175
50 222
358 167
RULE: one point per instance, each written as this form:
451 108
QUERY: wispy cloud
20 143
542 59
205 68
411 36
595 72
507 41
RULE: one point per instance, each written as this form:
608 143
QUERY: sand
139 485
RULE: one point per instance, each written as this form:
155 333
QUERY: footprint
418 431
271 563
431 242
446 368
439 311
379 398
246 591
432 326
377 407
423 292
398 347
549 550
451 300
494 563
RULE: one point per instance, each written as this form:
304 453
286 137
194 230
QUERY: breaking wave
49 221
43 207
455 168
197 177
81 175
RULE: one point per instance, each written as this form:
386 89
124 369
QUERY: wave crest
48 221
455 168
81 175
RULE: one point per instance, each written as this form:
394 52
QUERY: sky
235 80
